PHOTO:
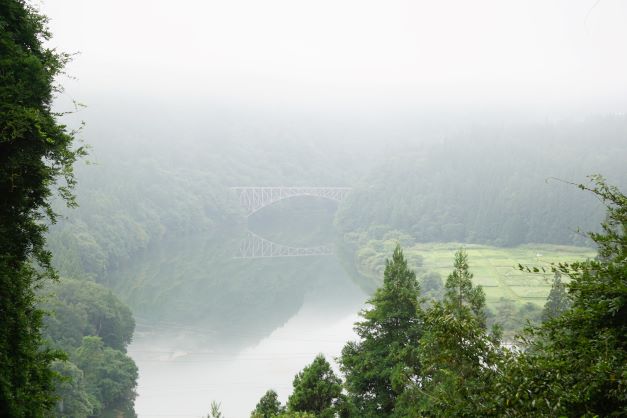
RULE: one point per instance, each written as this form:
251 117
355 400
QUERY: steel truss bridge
254 198
254 246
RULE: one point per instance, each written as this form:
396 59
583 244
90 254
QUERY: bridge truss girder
254 246
253 199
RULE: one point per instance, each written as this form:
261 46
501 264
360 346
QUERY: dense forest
94 328
152 248
62 342
442 360
161 231
494 273
431 193
496 186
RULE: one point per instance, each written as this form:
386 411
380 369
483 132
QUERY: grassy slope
494 268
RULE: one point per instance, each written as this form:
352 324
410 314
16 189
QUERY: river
213 327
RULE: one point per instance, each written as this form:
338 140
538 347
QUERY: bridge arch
254 198
254 246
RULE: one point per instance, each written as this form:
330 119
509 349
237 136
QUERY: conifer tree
316 390
378 367
558 300
268 406
456 351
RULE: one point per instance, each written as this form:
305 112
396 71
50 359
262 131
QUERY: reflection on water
254 246
180 375
212 327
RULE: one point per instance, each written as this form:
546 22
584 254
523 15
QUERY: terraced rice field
496 269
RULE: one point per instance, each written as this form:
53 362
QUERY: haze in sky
353 53
450 121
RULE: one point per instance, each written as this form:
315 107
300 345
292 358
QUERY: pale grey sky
548 52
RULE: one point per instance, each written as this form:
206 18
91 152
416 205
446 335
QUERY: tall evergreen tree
316 390
215 410
558 300
456 352
35 151
268 406
378 366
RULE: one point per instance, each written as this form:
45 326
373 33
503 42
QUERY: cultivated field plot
496 269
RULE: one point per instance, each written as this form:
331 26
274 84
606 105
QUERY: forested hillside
89 323
169 184
426 200
442 359
492 186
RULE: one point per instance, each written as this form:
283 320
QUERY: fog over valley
313 209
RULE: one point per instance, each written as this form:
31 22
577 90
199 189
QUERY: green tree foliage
316 389
83 308
268 406
215 411
444 362
110 375
512 317
456 352
379 365
431 285
558 300
461 297
575 364
74 399
78 309
477 187
35 151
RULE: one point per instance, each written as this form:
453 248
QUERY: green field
494 268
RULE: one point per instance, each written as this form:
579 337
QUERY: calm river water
212 327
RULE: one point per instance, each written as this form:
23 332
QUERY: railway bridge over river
254 198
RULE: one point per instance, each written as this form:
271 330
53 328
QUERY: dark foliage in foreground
442 361
35 151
